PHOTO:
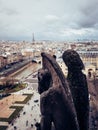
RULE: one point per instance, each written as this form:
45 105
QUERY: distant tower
33 40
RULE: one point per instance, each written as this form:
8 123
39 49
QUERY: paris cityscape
48 48
19 64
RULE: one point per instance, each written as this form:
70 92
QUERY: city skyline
48 20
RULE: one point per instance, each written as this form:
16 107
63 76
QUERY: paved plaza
30 113
28 116
6 102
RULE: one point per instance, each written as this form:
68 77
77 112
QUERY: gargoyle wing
50 63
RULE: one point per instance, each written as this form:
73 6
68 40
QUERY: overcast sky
48 19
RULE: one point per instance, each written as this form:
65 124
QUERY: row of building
10 58
11 52
17 51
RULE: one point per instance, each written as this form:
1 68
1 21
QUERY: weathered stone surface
78 86
57 75
44 80
56 100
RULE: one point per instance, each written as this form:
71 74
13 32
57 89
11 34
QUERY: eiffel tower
33 39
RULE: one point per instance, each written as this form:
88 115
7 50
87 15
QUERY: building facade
90 60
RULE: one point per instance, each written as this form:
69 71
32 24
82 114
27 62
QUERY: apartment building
3 61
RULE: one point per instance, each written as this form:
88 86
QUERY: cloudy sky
48 19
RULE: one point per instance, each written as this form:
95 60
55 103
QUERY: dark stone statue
56 106
56 111
78 86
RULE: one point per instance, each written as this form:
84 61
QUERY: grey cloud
9 11
88 14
